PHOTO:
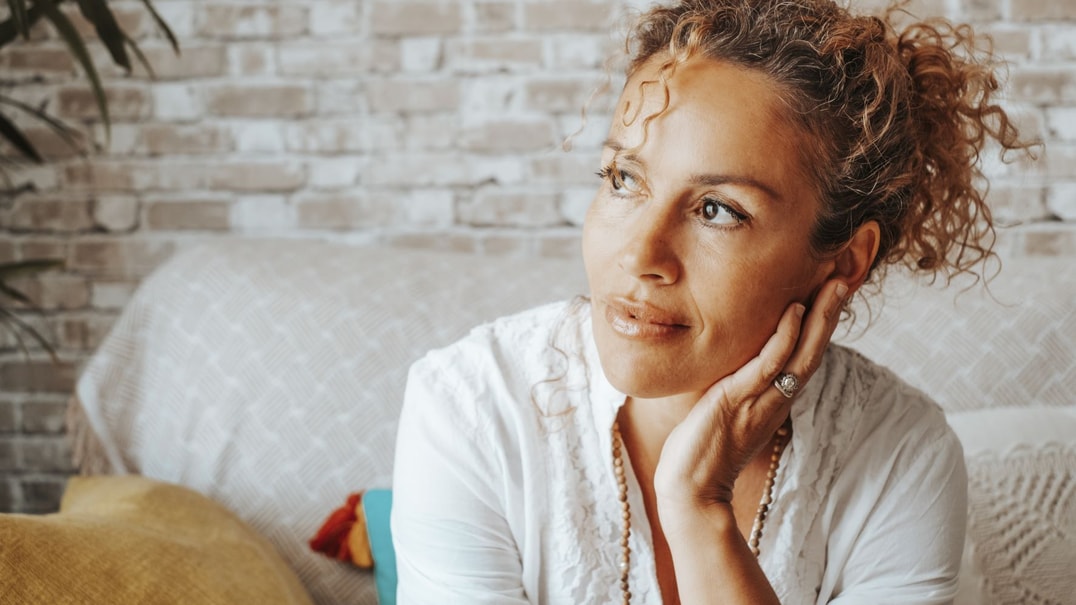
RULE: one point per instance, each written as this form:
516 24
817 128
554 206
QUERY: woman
689 434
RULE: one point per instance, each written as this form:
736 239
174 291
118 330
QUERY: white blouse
504 492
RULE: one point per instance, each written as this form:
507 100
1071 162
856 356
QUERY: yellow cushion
128 539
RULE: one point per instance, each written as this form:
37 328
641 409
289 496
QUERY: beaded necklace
780 440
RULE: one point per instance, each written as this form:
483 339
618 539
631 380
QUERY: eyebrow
705 180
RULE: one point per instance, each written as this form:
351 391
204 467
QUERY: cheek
740 310
743 301
587 242
595 240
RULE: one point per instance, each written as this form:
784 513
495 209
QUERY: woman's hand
739 414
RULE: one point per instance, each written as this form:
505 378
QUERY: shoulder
900 472
507 344
882 429
884 405
898 434
499 362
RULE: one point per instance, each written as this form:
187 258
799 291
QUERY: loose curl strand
895 121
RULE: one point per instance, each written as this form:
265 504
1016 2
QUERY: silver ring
787 383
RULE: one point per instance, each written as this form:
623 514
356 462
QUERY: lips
634 319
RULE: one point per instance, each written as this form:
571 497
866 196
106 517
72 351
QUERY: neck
654 419
645 424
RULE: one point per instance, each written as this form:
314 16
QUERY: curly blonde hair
898 119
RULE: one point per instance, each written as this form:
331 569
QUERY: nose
649 250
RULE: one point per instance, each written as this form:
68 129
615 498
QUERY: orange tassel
343 535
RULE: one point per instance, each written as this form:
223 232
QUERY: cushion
1021 543
359 533
130 540
269 374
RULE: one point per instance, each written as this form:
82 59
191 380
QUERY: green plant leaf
108 30
14 323
20 325
162 25
70 135
26 268
15 25
18 13
13 329
11 132
14 294
141 57
74 42
9 30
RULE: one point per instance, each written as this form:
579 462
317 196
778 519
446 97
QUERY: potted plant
22 16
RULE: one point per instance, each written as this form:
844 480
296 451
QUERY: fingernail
842 289
799 309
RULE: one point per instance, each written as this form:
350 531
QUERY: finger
817 331
757 375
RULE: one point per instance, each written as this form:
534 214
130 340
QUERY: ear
853 262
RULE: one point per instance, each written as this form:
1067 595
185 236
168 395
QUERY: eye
717 213
620 181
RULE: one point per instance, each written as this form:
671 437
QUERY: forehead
706 88
719 117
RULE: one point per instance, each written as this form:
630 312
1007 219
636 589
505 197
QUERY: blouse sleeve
900 535
453 544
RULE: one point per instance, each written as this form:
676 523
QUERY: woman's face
697 240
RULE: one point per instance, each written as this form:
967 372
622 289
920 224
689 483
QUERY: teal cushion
377 505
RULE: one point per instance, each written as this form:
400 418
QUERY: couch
267 375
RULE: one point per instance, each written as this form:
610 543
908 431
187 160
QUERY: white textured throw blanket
269 376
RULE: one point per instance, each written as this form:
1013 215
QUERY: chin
641 391
650 384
